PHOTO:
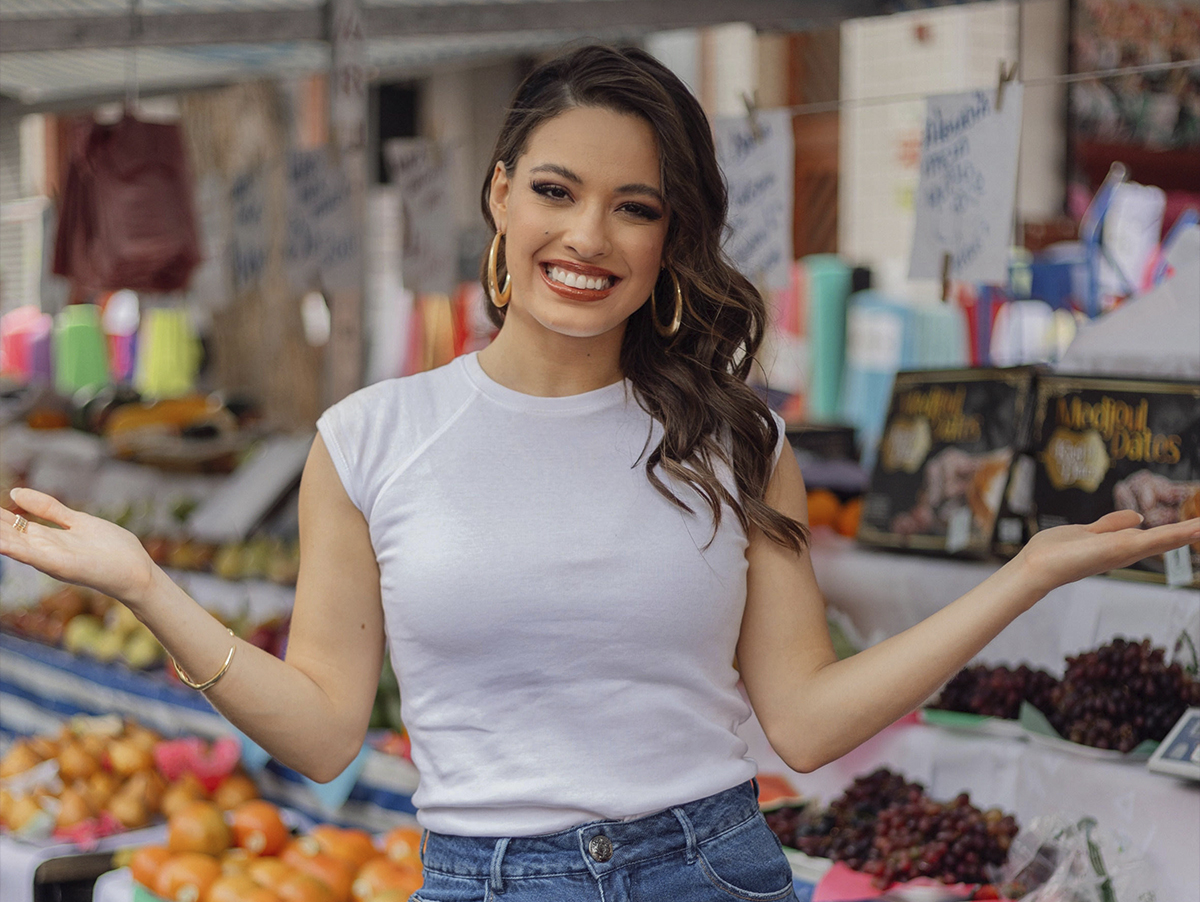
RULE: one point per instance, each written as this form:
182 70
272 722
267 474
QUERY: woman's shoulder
406 395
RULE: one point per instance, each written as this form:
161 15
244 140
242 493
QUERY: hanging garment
127 218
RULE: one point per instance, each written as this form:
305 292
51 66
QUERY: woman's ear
498 200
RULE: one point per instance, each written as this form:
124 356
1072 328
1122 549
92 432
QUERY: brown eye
550 190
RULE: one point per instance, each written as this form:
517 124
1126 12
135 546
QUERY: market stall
869 380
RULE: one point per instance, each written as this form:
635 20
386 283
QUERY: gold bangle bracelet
207 684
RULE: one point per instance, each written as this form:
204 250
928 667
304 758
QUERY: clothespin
751 103
1007 74
946 277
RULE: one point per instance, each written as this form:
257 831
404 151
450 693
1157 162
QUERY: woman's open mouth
585 285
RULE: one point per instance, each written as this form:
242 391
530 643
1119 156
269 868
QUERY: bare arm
814 708
310 712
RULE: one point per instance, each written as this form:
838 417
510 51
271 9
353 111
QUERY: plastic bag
1056 860
127 217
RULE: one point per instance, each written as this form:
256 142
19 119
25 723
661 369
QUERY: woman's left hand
1063 554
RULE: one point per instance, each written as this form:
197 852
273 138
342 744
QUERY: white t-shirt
563 635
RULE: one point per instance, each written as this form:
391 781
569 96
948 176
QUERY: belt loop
754 783
497 881
688 832
424 844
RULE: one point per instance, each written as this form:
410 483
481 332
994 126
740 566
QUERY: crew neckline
605 396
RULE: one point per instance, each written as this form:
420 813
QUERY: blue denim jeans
712 850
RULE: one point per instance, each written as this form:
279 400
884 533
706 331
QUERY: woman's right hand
86 550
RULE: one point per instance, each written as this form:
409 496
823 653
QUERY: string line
830 106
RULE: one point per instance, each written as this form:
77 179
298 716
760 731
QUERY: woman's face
584 221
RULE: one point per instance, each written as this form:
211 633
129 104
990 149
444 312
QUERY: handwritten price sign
759 168
967 187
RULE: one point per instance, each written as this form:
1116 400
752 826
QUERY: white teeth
575 280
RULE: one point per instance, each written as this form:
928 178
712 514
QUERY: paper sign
759 170
430 251
249 235
967 188
322 241
1178 565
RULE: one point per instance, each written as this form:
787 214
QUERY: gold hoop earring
499 296
672 330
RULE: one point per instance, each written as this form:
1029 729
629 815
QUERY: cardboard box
944 459
1104 444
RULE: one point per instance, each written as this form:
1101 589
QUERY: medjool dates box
1104 444
944 459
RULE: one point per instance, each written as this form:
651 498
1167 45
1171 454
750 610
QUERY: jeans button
600 848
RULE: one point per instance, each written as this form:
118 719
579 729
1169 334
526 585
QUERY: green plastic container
828 287
80 356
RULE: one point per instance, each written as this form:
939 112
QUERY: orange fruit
403 844
380 875
145 863
198 827
297 887
187 877
232 888
823 507
269 872
234 790
352 846
846 522
259 828
305 856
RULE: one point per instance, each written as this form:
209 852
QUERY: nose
587 232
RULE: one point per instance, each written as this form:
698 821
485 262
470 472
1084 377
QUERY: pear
75 763
74 808
141 650
18 759
129 808
27 815
107 646
81 633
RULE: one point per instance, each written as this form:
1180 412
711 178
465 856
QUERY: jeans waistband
572 851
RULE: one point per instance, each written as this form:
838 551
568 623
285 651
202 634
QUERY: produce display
258 557
102 775
85 622
886 826
1121 694
249 854
1112 697
996 691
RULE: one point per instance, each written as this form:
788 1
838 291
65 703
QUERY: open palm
1064 554
85 550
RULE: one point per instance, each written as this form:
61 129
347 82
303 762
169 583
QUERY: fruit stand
883 593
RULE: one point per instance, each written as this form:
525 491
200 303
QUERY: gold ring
20 524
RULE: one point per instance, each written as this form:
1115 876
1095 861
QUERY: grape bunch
889 828
1119 695
996 691
845 831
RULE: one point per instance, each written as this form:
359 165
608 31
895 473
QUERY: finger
42 505
1124 519
1162 539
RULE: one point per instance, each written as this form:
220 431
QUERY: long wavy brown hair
693 383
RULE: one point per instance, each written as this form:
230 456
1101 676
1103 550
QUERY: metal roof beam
22 34
19 34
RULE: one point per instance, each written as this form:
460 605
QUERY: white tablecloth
883 593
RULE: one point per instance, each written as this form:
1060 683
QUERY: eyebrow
631 188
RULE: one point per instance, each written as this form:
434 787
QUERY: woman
565 539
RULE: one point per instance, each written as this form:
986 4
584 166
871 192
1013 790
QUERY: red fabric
127 218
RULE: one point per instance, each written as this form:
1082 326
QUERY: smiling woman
563 540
